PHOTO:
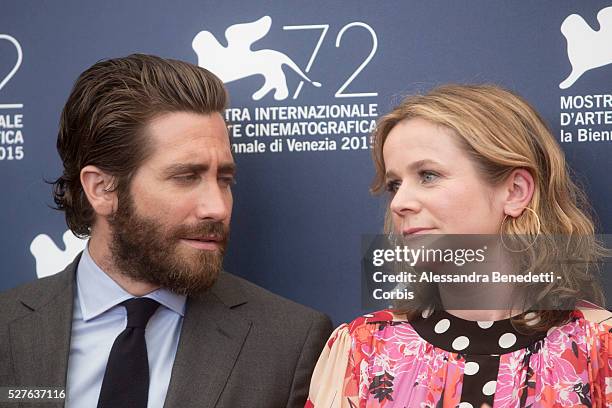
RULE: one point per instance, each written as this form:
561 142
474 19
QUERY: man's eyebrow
227 168
179 168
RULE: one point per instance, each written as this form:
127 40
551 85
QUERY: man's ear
99 189
518 191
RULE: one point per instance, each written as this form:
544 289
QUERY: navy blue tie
126 379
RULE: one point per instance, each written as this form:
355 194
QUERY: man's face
171 228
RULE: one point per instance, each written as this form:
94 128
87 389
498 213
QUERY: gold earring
501 235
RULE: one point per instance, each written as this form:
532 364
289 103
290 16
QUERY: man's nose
213 203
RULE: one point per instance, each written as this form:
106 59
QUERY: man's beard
146 251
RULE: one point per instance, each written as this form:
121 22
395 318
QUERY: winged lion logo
50 259
587 48
238 60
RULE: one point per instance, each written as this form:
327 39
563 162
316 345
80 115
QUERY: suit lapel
212 336
211 339
40 340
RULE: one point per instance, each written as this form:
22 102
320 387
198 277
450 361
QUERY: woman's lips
415 230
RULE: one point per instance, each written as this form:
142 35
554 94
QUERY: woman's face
435 188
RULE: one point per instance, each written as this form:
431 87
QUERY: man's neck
100 253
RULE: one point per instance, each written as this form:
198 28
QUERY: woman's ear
98 187
518 191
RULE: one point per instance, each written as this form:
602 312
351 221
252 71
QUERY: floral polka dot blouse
439 360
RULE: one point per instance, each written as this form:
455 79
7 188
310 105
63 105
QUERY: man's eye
392 186
428 176
186 178
227 181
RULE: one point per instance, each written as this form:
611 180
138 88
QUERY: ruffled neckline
457 335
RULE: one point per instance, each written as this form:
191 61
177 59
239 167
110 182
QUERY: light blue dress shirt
97 320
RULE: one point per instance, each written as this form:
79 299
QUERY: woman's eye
393 186
428 176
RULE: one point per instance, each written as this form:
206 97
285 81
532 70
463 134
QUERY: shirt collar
97 292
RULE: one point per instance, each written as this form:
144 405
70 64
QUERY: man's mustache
205 230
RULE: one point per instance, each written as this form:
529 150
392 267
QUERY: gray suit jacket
240 345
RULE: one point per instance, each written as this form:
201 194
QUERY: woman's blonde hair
500 132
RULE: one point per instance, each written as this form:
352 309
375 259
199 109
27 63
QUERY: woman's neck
483 301
484 315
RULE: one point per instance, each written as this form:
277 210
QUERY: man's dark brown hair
103 119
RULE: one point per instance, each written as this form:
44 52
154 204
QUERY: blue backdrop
299 213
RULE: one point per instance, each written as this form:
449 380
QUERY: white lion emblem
49 258
237 60
587 48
